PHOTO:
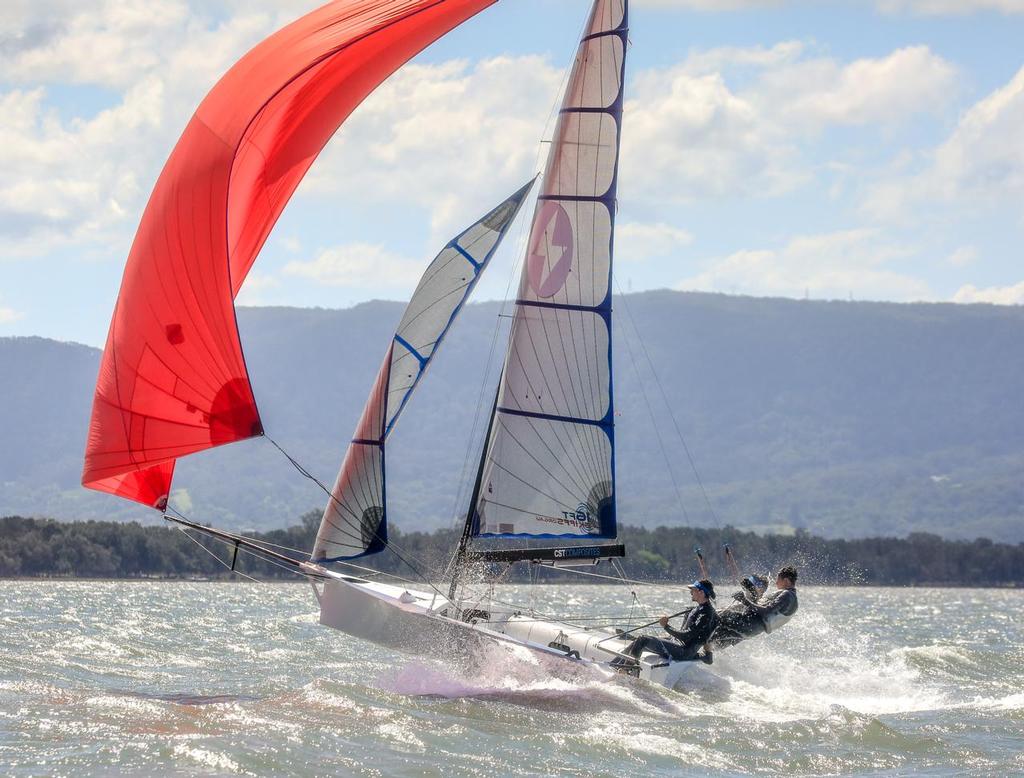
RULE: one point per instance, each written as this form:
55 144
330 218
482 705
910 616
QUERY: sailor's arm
688 632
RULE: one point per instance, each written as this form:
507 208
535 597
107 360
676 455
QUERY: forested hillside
101 549
842 418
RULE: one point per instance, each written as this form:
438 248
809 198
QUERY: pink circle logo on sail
550 257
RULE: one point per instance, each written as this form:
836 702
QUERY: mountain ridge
838 417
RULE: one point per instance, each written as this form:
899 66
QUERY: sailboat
173 379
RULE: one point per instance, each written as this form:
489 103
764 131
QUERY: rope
217 558
654 423
606 577
388 543
367 572
668 406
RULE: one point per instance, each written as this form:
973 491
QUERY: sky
868 150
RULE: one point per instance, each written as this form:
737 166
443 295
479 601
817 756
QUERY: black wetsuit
737 622
745 620
777 608
699 625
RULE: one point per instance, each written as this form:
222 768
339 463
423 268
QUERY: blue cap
705 586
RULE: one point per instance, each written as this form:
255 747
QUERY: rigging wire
366 572
654 423
219 561
668 405
390 544
633 581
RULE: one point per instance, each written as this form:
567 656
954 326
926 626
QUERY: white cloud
950 7
922 7
690 134
85 179
452 138
831 265
963 256
358 265
636 241
9 315
999 295
709 5
254 287
811 94
980 164
108 43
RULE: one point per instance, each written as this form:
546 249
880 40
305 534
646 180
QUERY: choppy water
223 679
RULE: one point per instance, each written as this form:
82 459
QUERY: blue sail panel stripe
466 255
603 423
409 347
601 310
604 199
618 32
588 109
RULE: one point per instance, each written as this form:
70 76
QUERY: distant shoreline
45 549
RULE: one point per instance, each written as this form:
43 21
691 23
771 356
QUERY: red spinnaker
173 379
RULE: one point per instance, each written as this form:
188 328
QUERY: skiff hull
415 622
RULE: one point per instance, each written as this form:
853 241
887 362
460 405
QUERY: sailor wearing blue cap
700 623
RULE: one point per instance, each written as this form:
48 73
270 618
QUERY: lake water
139 678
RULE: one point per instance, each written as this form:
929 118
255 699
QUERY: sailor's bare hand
663 621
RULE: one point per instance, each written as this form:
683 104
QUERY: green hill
842 418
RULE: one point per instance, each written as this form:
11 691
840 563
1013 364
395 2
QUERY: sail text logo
580 515
577 519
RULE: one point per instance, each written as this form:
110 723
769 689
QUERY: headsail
549 466
355 519
173 380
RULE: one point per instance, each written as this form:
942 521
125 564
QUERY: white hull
417 622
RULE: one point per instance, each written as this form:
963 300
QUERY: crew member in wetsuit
740 621
779 606
700 623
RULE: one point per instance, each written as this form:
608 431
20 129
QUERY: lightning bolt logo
551 250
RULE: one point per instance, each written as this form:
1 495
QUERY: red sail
173 379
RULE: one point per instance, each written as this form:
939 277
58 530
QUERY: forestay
355 519
548 468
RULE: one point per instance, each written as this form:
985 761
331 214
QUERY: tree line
44 548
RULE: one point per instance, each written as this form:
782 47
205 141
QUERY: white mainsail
549 468
355 519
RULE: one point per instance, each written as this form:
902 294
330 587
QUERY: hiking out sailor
780 606
740 620
700 623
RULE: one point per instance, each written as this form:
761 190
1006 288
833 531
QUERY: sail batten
548 468
355 519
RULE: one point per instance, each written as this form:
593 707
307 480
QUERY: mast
467 529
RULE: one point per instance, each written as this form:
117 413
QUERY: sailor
740 621
700 623
779 606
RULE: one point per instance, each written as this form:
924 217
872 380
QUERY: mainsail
548 468
173 380
355 519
